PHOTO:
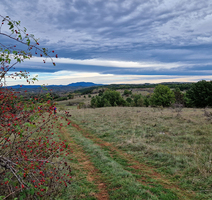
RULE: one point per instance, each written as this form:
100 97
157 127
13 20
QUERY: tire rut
134 164
93 174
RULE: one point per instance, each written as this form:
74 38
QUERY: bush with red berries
32 156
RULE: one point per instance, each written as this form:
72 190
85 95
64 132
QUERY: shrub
81 105
162 96
146 102
179 96
70 96
30 167
138 100
129 100
28 150
127 92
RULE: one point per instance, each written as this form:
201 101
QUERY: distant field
86 99
141 153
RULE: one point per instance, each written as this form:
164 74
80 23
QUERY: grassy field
139 153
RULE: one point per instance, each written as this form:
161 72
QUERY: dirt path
140 168
93 174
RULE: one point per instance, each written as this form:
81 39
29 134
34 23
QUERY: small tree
162 96
129 100
179 96
146 102
127 92
138 100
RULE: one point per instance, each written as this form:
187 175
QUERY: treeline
181 86
99 89
198 95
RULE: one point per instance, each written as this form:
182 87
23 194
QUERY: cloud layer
123 38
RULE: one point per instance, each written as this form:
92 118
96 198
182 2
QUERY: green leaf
32 118
27 124
32 191
28 41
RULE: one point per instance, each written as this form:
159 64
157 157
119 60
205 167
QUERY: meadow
139 152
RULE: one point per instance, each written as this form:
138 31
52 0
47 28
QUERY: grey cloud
134 30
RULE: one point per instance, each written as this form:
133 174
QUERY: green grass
177 145
121 183
80 187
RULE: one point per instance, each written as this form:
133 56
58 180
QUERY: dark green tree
162 96
129 100
127 92
200 94
179 96
146 101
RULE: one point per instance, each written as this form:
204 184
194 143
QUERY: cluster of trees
181 86
162 96
108 98
199 95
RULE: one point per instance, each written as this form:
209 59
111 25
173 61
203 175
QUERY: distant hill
78 84
84 84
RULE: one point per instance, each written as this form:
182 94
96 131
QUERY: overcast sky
118 41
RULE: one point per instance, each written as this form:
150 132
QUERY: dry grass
178 143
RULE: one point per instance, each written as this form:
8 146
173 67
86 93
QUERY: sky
117 41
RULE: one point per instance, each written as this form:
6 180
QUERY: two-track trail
88 167
117 174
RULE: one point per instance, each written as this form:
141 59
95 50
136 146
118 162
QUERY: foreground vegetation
147 153
33 159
